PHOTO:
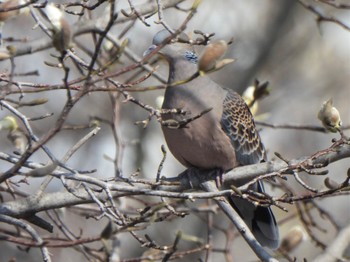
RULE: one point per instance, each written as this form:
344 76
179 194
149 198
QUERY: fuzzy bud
330 116
61 30
211 56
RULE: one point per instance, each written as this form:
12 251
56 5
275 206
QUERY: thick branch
238 176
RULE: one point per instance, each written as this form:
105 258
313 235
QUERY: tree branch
335 250
168 187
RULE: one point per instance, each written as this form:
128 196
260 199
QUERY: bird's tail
260 220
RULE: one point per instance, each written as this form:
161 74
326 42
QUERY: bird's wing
237 122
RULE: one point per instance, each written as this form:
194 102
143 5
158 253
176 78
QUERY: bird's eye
149 50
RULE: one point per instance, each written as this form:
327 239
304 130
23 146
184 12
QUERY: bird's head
173 47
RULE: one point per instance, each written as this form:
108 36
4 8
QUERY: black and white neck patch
191 56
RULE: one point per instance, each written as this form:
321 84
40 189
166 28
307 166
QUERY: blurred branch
298 127
320 17
274 29
30 231
335 250
334 4
210 186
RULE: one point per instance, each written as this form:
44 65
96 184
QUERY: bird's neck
180 70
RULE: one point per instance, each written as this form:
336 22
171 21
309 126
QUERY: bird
221 139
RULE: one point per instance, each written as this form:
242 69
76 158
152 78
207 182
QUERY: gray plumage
222 139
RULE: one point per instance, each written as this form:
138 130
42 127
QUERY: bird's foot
218 176
193 177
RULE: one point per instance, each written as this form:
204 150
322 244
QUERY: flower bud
211 56
329 116
61 30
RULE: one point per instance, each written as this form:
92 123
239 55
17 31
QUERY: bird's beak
149 50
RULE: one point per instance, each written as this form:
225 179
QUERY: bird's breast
201 143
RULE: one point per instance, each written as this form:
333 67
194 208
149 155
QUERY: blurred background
305 62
